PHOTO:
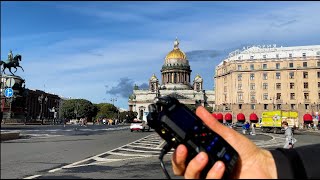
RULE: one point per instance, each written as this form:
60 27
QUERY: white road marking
150 143
32 177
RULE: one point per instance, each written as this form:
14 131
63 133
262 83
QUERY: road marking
149 146
31 177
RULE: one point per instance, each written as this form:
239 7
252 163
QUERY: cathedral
175 81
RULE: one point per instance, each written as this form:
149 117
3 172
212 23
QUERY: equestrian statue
12 62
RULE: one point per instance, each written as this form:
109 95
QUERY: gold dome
176 53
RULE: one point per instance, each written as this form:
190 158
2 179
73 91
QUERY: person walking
253 130
288 135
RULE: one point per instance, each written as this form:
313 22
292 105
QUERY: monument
13 100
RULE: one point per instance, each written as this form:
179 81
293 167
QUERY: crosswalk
149 146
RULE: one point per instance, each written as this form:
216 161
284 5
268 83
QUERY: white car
139 126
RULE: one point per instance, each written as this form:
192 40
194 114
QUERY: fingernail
180 150
219 165
200 157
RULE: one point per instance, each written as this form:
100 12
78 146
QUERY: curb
9 136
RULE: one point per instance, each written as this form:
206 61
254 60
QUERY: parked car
139 126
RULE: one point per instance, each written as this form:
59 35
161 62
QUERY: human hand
254 162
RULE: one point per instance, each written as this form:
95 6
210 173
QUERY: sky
99 50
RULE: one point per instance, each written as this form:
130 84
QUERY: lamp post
42 100
76 110
113 100
273 106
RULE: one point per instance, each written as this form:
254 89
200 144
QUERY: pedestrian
253 130
288 135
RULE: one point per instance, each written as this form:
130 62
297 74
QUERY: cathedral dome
176 56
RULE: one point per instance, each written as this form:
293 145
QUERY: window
239 86
278 96
318 74
291 75
318 53
251 57
277 65
240 106
251 76
265 76
265 106
306 96
277 56
251 66
291 85
239 77
306 106
305 75
225 88
252 86
291 65
265 96
318 63
253 106
264 56
252 97
305 85
305 64
240 96
318 84
304 55
278 85
292 96
239 67
293 106
265 85
239 57
277 75
264 66
279 106
290 55
318 95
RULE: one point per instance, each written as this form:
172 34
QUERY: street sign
10 82
8 92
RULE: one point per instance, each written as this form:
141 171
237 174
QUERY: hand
254 162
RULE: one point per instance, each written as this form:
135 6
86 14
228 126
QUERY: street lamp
273 106
113 100
42 100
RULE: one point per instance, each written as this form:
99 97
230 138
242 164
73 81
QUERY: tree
106 110
78 108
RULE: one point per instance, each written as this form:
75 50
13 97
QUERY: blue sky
99 50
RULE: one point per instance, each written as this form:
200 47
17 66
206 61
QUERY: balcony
279 101
307 100
253 100
240 101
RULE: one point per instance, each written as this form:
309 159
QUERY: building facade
259 79
175 81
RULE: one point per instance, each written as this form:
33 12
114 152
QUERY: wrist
271 168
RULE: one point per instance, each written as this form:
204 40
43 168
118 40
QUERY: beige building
175 81
258 79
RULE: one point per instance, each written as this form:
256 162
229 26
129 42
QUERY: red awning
228 117
219 116
241 117
214 115
253 117
307 117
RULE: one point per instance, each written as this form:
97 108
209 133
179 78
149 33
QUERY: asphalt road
97 152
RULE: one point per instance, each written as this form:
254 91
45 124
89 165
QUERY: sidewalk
9 135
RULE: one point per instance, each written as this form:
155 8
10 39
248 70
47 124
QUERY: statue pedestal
12 109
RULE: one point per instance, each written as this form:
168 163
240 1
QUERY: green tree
78 108
106 110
